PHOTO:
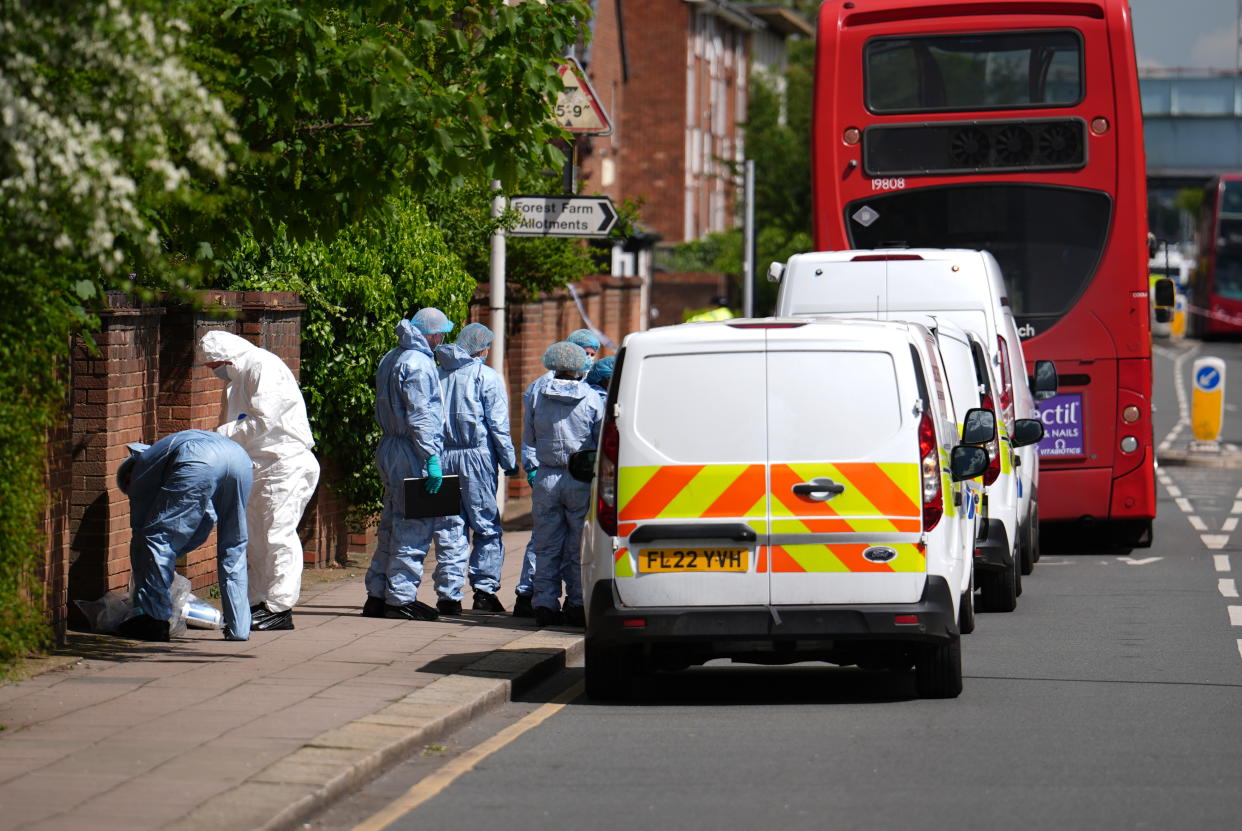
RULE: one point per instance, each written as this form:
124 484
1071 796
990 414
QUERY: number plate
693 559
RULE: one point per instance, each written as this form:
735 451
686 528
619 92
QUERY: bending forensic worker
565 418
179 489
266 415
476 447
409 410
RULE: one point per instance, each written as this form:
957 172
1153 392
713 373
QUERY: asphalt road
1112 698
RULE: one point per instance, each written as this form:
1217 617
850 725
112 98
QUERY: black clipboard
445 502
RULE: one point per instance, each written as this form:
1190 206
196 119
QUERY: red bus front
1011 126
1216 296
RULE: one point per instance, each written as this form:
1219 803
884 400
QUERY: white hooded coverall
277 435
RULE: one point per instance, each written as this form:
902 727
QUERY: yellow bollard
1207 399
1177 327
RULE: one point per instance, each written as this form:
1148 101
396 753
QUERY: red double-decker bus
1012 126
1215 291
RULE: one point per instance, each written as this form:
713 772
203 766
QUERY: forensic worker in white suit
266 415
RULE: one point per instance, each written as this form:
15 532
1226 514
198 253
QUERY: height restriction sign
577 108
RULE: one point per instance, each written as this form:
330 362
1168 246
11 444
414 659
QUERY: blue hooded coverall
526 577
410 413
564 417
179 488
476 447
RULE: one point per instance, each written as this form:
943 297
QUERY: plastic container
202 615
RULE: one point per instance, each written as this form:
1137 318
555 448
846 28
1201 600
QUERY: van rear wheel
609 671
938 670
1000 589
966 612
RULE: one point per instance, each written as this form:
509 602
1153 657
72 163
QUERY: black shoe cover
574 615
374 607
415 610
490 603
548 617
273 621
521 606
144 628
448 606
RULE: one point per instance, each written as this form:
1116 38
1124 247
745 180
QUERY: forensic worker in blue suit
476 447
565 418
179 489
409 410
526 577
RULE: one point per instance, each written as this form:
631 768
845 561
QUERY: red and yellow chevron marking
845 557
623 564
691 491
872 491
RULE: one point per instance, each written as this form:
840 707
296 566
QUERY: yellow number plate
693 559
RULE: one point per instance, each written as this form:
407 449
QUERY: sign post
1207 399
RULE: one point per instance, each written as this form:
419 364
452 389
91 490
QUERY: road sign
577 108
563 216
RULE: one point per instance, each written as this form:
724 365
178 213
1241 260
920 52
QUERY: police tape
1215 314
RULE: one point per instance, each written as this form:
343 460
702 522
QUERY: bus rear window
1048 240
954 73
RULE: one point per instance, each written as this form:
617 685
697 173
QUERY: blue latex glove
530 477
434 477
511 472
240 417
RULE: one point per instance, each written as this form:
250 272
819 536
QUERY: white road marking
1196 523
1214 540
1230 524
1184 504
1179 385
1240 647
1227 586
1221 562
1173 490
1139 561
1235 615
1237 507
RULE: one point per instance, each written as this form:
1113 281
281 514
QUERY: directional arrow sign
564 216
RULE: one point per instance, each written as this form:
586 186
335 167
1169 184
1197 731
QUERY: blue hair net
565 357
584 338
431 321
474 338
601 372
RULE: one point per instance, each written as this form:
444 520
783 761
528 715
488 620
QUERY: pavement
203 733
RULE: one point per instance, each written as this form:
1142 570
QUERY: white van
962 285
778 491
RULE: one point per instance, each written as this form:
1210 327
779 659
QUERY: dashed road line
1184 504
1235 615
1221 562
1173 490
1229 524
1216 541
1196 523
1227 586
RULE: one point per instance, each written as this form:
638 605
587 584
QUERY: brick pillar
113 404
54 571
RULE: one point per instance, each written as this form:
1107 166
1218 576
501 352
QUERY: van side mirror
967 462
1044 382
979 426
775 272
1027 431
582 465
1165 293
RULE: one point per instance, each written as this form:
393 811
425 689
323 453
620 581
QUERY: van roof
821 328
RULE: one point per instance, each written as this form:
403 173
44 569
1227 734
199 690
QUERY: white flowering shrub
101 124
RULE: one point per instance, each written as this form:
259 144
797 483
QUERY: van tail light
993 447
1006 394
606 492
929 466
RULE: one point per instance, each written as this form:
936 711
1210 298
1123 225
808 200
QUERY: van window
959 363
830 406
706 408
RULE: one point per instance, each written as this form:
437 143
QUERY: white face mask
222 372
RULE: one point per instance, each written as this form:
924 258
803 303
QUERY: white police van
776 491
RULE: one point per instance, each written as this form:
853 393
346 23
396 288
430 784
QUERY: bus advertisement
1215 294
1012 126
